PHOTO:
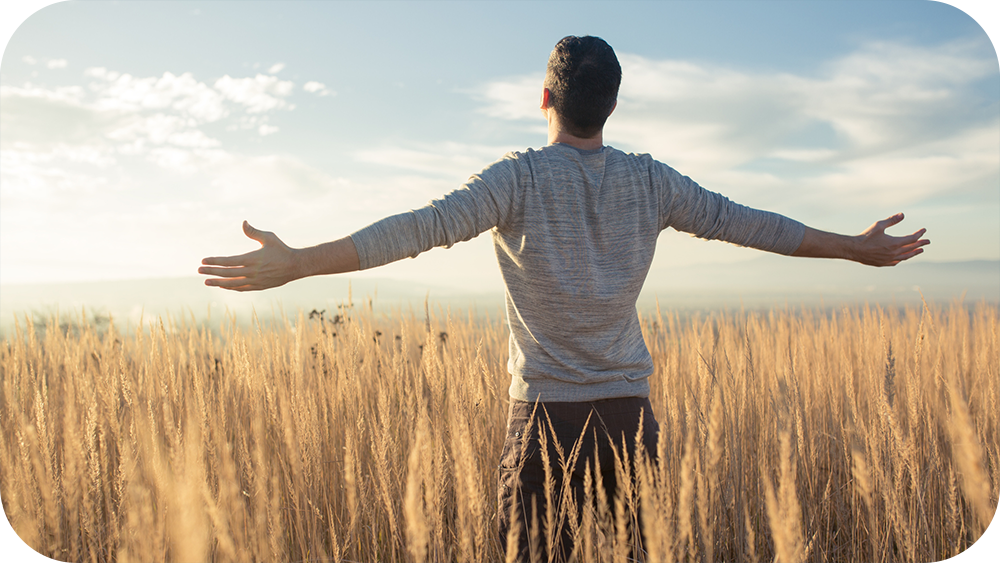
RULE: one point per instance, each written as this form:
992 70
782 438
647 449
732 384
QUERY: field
857 434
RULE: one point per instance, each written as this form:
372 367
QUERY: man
574 226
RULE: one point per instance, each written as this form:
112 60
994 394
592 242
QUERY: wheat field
855 434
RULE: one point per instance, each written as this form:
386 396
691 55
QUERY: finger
241 288
249 230
228 283
909 239
908 255
240 271
240 260
256 234
890 221
921 242
913 245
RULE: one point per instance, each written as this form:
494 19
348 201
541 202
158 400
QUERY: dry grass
862 434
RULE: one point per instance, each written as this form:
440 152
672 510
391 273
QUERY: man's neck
559 135
590 144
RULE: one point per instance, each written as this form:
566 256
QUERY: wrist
852 248
299 263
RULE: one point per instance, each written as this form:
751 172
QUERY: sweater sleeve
689 208
479 205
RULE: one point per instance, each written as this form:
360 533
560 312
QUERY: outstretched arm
275 263
873 247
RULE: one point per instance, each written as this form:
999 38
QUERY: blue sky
136 136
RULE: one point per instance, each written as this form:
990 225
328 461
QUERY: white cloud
173 158
886 123
110 155
515 98
245 122
276 68
160 129
318 88
100 72
120 159
67 94
259 94
804 155
886 95
28 59
118 116
960 163
56 63
184 94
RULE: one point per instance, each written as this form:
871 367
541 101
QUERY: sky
135 137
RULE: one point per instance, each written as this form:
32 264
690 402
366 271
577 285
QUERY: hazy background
136 136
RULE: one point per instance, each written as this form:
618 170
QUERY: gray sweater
574 233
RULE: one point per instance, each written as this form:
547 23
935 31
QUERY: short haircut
583 77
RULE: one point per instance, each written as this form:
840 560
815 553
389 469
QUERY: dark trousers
522 479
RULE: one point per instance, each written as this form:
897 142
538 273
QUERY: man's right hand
873 247
876 248
273 264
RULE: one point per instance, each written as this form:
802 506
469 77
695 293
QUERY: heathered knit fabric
574 233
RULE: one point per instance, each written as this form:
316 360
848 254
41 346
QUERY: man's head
583 78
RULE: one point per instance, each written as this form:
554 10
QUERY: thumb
252 232
890 221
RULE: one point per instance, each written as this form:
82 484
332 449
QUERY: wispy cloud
515 98
182 94
136 156
258 94
445 159
118 115
318 88
889 121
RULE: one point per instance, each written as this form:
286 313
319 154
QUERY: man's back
574 233
574 252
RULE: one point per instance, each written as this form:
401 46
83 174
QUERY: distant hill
772 278
183 298
762 282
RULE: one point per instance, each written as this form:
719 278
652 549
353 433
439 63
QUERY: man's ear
613 108
546 99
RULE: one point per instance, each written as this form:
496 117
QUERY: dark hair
583 77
